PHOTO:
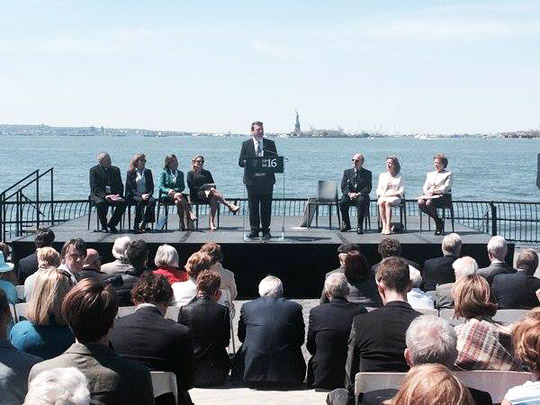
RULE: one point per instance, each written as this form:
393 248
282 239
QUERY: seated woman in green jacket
171 185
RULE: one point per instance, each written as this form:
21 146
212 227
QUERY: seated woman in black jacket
202 189
139 190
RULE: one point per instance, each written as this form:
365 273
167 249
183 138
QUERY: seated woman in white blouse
437 191
390 192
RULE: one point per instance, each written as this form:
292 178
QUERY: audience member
66 386
497 250
92 266
417 298
6 250
271 330
45 333
362 287
482 343
185 291
28 265
5 285
146 336
14 364
209 325
167 260
137 256
342 250
73 254
390 247
48 258
439 270
227 277
121 263
328 333
526 342
8 275
89 309
377 340
465 266
517 290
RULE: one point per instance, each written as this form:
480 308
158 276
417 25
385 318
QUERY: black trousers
102 206
362 205
260 208
148 208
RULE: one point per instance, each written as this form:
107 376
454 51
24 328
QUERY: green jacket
167 182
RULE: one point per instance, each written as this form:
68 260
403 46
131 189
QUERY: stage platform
300 259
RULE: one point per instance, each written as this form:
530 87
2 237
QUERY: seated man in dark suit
439 270
89 309
328 334
516 291
355 186
497 250
209 325
271 330
377 340
463 267
146 336
106 189
28 265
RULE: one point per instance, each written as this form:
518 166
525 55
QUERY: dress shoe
345 228
234 208
253 234
359 231
266 235
113 229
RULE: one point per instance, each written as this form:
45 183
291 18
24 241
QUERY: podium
258 166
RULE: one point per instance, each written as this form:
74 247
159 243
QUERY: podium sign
265 164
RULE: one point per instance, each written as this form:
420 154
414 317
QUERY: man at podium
259 185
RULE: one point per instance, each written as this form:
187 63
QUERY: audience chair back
21 310
13 313
164 382
20 292
124 311
448 314
428 311
497 383
370 381
510 315
172 313
226 301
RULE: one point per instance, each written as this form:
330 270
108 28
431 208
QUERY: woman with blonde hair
139 191
429 384
390 192
45 333
186 290
202 189
483 344
47 258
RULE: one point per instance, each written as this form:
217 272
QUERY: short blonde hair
47 257
166 255
51 287
473 297
428 384
196 263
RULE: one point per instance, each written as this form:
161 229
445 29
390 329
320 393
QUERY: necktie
258 149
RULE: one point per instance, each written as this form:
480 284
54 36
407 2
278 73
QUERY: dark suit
272 332
377 340
259 186
133 196
363 292
161 344
328 334
493 269
355 182
26 267
438 271
209 324
516 291
100 178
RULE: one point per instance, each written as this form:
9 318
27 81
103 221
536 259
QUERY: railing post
38 212
493 208
2 217
52 196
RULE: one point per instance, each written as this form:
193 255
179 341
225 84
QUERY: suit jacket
26 267
112 380
438 271
131 184
328 334
443 296
493 269
168 182
350 183
209 324
364 292
161 344
98 181
247 151
516 291
272 332
377 340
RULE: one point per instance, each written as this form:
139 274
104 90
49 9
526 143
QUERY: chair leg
452 217
404 215
89 216
338 215
330 216
317 216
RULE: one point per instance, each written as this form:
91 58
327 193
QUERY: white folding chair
427 311
226 301
164 382
497 383
510 315
448 314
20 311
368 381
172 313
13 315
20 292
124 311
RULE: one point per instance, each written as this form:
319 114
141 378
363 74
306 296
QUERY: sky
215 66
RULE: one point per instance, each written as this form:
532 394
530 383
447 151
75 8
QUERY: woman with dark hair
483 344
202 189
171 184
390 192
437 190
139 190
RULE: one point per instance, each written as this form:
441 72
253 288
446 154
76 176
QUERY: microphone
270 151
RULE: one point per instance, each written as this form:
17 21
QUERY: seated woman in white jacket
389 191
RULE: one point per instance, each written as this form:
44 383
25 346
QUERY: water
494 169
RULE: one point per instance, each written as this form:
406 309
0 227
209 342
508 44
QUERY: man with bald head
356 186
106 189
